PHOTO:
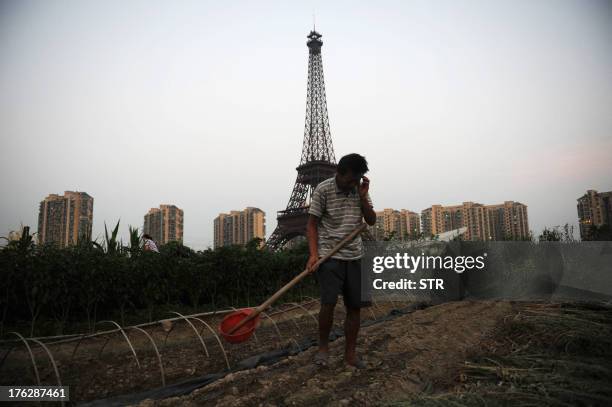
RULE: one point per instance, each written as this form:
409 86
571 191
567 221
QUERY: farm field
456 353
460 353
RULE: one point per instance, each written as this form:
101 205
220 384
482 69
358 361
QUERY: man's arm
368 212
312 233
366 205
318 203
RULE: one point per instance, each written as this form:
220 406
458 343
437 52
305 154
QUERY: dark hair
147 236
354 163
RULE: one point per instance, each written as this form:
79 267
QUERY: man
149 244
337 207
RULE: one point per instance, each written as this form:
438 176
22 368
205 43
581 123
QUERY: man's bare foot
320 358
355 362
358 364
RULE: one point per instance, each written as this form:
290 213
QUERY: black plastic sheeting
268 358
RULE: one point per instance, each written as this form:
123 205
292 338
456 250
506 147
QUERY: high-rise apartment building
483 222
402 224
410 223
387 224
438 219
239 227
164 224
594 209
508 221
62 220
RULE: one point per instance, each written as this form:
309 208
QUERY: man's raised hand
364 187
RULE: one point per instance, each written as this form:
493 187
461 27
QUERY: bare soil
417 352
456 353
105 366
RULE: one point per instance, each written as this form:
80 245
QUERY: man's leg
354 302
330 283
351 329
326 319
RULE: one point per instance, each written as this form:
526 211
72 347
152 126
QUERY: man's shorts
337 277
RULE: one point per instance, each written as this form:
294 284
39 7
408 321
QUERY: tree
59 265
111 245
602 232
15 257
147 272
550 235
563 234
568 233
93 280
391 236
135 241
509 237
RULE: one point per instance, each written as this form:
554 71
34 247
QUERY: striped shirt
150 246
339 214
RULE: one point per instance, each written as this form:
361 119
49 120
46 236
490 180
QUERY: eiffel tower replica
318 161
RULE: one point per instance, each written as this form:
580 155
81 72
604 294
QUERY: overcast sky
201 104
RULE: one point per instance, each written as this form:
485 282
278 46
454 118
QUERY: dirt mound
421 351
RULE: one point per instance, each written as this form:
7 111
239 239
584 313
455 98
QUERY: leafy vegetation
603 232
558 234
52 290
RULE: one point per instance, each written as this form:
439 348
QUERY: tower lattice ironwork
317 162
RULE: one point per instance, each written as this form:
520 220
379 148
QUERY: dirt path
412 353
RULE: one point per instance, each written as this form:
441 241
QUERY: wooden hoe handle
297 278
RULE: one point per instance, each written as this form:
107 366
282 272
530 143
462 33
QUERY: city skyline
448 101
165 223
508 220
